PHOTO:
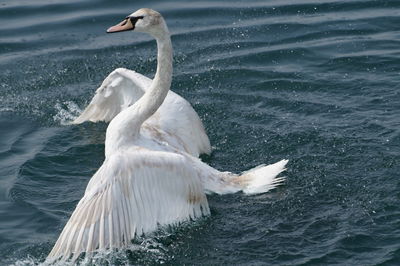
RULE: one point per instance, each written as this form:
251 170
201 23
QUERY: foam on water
66 112
144 250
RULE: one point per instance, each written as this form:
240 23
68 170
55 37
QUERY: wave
315 81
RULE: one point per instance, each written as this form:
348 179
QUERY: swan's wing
118 91
181 122
132 193
175 116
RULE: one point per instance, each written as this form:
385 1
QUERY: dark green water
316 82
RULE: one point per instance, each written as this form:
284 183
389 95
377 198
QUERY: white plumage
176 122
131 194
151 175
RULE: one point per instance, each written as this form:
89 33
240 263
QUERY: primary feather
131 194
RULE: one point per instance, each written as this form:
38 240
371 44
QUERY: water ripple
313 81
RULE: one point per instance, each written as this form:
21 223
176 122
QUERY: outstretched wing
175 117
131 194
118 91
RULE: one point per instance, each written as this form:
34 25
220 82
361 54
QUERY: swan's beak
125 25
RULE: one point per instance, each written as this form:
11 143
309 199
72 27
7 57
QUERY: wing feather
131 194
175 120
119 90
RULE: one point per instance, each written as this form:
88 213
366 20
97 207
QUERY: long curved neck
158 90
126 125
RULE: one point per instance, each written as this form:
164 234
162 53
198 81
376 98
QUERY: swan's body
151 175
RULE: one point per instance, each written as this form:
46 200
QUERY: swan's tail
261 178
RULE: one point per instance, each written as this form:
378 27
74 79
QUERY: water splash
25 262
144 250
66 112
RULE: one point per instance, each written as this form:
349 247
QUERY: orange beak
124 25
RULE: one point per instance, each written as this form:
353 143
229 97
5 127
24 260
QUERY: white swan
144 181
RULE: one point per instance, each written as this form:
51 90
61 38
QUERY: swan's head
143 20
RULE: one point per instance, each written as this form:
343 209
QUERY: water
316 82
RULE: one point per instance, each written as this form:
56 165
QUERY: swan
145 181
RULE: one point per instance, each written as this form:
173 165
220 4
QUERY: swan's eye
135 19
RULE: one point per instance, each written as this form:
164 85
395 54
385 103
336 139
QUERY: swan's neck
155 95
125 127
